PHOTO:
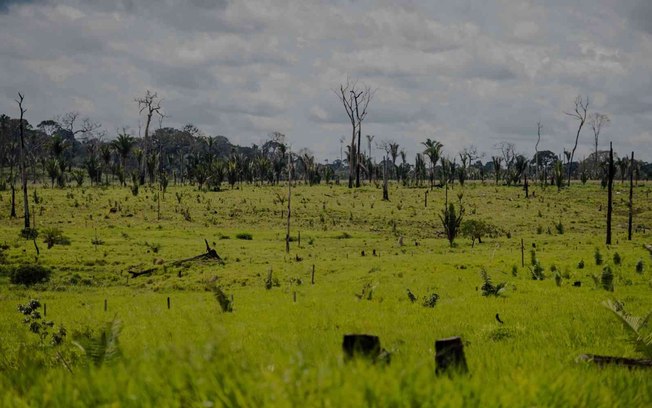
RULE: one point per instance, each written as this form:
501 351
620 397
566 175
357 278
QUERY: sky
462 72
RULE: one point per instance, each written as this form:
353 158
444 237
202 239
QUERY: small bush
617 259
607 279
431 300
580 265
244 235
488 288
344 235
597 256
54 236
30 274
639 266
560 228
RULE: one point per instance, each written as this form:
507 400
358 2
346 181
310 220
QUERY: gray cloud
460 72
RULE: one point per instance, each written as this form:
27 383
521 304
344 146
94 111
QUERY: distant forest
73 150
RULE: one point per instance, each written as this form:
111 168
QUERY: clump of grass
430 300
344 235
617 259
639 266
560 228
103 347
367 292
244 236
580 264
514 270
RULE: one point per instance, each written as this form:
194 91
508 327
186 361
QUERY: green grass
272 351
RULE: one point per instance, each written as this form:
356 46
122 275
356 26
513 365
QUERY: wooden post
312 275
294 296
610 191
522 254
105 305
299 239
45 310
425 199
168 303
527 193
631 198
158 210
449 356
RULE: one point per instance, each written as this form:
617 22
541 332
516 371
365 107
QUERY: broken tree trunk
210 254
620 361
449 356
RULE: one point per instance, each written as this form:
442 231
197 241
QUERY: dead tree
287 233
68 120
385 189
151 105
610 184
536 146
23 171
597 120
355 101
580 112
631 199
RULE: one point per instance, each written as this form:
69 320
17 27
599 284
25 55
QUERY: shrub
451 222
30 274
431 300
607 279
477 229
54 236
580 265
560 228
617 259
488 288
244 235
598 256
639 266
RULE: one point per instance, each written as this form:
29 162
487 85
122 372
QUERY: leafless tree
23 170
151 105
355 100
87 127
536 146
597 121
579 113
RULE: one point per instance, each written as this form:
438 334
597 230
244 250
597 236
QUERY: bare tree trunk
23 170
385 190
631 198
287 234
357 167
610 184
13 200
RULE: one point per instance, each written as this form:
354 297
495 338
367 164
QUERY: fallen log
139 273
620 361
210 254
648 247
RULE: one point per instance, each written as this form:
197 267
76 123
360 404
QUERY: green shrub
30 274
244 235
54 236
639 266
598 256
617 259
607 279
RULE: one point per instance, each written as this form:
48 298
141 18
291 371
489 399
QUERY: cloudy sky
460 71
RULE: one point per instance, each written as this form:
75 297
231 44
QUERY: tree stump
619 361
449 356
364 346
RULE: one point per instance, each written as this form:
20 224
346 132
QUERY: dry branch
210 254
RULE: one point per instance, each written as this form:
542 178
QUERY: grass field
275 351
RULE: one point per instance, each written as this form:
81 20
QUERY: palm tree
433 151
105 154
123 145
393 151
